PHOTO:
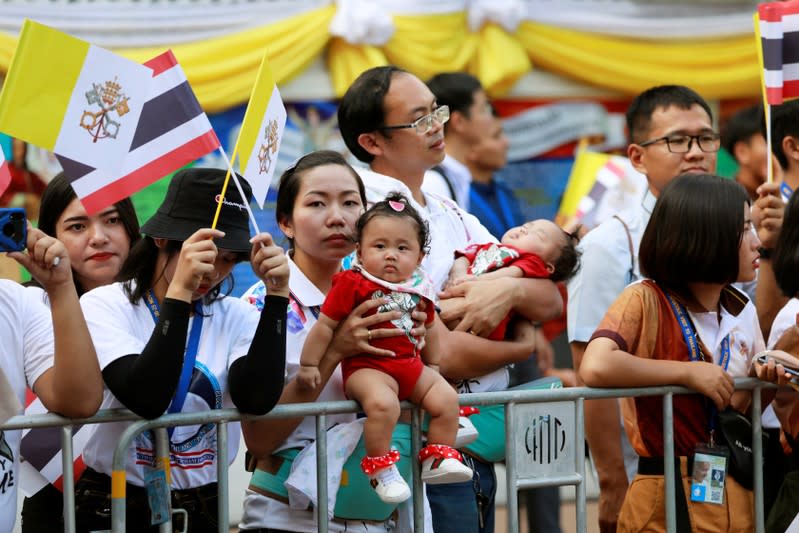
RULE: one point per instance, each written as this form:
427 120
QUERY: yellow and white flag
73 98
261 131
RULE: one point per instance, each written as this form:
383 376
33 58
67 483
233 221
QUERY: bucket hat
190 204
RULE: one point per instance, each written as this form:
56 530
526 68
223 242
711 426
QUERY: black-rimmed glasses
681 144
424 124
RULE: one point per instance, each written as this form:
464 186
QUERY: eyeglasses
424 124
681 144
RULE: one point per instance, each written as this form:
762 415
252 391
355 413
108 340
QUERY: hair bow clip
396 206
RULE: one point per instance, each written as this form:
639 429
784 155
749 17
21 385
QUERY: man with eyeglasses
390 120
670 129
471 118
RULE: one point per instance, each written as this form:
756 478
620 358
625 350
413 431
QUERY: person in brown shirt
698 241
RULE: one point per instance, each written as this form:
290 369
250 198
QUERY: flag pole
770 159
766 105
238 186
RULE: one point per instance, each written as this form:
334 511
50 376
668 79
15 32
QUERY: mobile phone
790 368
13 229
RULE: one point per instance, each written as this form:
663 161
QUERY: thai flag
172 132
5 173
779 36
41 451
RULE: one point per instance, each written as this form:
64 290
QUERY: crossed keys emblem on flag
269 148
109 97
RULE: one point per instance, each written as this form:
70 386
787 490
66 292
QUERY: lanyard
695 354
786 191
191 352
505 211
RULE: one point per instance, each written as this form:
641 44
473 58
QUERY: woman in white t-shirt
319 201
97 246
49 351
168 340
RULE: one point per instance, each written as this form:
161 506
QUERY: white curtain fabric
655 19
142 23
360 22
507 13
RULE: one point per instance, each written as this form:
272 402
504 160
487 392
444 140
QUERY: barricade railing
525 469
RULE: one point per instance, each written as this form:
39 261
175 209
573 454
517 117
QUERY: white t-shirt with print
746 338
451 228
26 352
120 328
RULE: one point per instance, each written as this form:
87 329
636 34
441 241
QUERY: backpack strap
440 170
629 246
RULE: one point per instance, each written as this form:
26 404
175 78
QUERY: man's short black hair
741 127
361 109
456 90
694 233
784 123
643 106
786 252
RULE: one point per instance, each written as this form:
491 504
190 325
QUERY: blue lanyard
695 354
507 221
191 352
786 191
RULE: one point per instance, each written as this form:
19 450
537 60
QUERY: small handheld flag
778 25
72 98
261 131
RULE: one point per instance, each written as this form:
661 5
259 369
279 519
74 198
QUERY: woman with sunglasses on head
97 246
170 341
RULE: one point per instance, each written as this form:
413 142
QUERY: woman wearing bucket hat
169 341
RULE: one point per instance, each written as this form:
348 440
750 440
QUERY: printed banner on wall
540 129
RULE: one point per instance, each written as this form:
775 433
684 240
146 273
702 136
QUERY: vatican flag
261 132
72 98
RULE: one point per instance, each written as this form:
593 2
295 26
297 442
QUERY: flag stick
766 106
224 185
770 158
238 186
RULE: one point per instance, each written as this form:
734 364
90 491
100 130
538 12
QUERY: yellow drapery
719 68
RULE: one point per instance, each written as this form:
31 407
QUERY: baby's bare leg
377 392
437 397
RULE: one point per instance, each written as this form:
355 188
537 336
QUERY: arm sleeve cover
145 383
256 380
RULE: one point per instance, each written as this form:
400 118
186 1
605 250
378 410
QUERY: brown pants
644 508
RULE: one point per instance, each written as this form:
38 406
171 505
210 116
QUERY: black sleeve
145 383
256 380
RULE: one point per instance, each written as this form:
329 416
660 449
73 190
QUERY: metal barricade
528 413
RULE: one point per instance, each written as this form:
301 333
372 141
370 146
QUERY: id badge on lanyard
711 460
157 477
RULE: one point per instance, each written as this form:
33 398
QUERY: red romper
351 288
493 256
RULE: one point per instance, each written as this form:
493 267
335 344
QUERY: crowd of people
414 276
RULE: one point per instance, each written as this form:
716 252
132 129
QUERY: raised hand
196 260
46 259
270 264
